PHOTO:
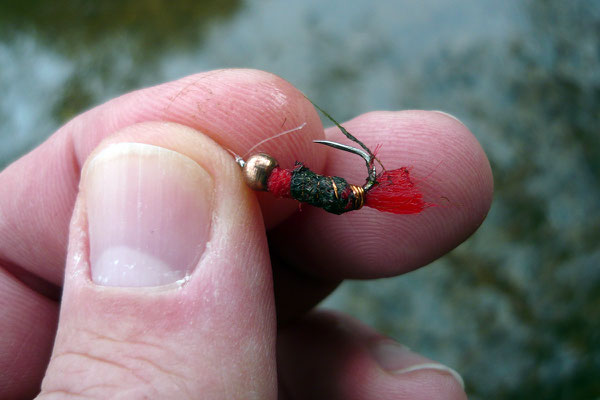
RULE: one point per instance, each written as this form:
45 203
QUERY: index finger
445 161
236 108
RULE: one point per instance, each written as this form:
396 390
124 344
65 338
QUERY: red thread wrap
279 183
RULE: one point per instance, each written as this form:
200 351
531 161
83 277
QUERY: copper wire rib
358 198
335 189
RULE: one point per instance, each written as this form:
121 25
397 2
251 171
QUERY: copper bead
257 170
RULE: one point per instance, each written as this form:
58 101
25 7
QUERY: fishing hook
372 177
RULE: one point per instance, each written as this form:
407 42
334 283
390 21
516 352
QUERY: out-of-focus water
516 309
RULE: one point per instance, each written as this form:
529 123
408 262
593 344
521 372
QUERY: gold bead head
257 170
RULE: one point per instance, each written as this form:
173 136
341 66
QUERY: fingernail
398 359
149 214
447 115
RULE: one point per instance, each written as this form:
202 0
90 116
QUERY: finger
236 108
296 291
329 356
168 283
448 165
28 322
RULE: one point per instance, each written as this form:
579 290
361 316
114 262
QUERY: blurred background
516 309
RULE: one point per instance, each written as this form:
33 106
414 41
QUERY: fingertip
446 163
476 169
431 384
328 355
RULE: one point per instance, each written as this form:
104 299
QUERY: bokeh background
516 309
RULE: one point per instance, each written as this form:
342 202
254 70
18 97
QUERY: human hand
159 199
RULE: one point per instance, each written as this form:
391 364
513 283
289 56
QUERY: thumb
168 290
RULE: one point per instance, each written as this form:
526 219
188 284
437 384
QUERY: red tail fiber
396 193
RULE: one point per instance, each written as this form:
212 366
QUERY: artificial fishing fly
389 191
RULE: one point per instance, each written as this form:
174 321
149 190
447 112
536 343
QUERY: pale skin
217 335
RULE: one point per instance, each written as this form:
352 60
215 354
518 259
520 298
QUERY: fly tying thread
389 191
